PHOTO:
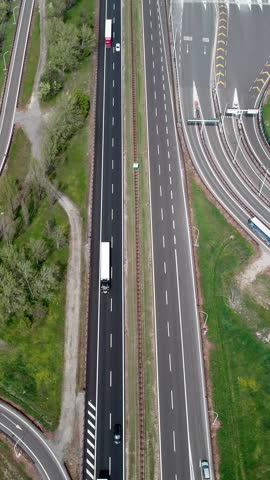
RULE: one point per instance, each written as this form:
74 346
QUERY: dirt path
258 265
32 121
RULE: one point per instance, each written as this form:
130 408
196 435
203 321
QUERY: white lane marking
169 155
172 399
171 195
91 405
155 94
92 445
174 449
91 434
154 79
167 130
111 305
110 466
27 448
163 78
92 425
163 86
112 141
110 421
114 6
90 453
156 111
173 223
153 65
110 340
161 59
166 118
112 165
159 169
174 240
172 210
161 212
151 24
160 49
168 329
160 191
152 50
111 241
113 101
166 297
169 167
165 268
163 241
113 66
91 414
170 362
157 129
151 37
110 378
158 149
113 83
111 272
170 179
165 105
112 214
112 121
112 188
150 12
168 142
162 68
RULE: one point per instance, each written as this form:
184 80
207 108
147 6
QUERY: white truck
105 266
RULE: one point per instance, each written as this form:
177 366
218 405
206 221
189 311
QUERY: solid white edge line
152 249
100 239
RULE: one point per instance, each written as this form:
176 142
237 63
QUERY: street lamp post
263 182
215 417
4 60
234 158
205 319
14 18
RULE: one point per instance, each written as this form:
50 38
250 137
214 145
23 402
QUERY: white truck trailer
105 266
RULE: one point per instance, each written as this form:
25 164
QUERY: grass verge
7 45
32 58
266 117
238 345
19 156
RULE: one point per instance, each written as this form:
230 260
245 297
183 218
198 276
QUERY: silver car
205 470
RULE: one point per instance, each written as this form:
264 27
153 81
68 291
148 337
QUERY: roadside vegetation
238 344
266 117
7 31
33 227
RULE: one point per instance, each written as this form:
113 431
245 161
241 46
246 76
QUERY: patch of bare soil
258 265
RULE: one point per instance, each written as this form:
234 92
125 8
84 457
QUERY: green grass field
7 44
19 156
266 117
31 61
239 360
9 468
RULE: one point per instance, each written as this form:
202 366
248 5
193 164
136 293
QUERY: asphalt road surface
105 396
183 419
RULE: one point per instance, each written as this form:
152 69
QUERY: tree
87 40
51 83
59 236
38 250
81 100
64 45
4 9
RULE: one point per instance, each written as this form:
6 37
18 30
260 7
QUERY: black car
117 433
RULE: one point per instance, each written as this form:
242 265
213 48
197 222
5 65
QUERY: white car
205 470
117 47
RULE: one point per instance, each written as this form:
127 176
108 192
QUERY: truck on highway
103 475
105 266
108 33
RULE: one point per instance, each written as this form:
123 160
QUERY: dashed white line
113 83
113 66
169 155
170 180
151 37
113 101
112 121
172 399
162 68
168 329
159 169
165 267
157 129
150 12
111 305
154 79
112 188
165 105
161 59
155 94
112 214
173 224
174 240
167 130
156 111
163 241
169 167
160 191
174 449
166 297
158 149
166 118
110 378
112 165
112 142
111 272
168 142
171 195
163 86
153 65
151 24
110 340
110 421
172 209
111 241
110 466
170 362
152 50
161 212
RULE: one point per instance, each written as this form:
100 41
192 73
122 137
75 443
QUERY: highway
27 438
13 81
104 394
230 157
183 418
